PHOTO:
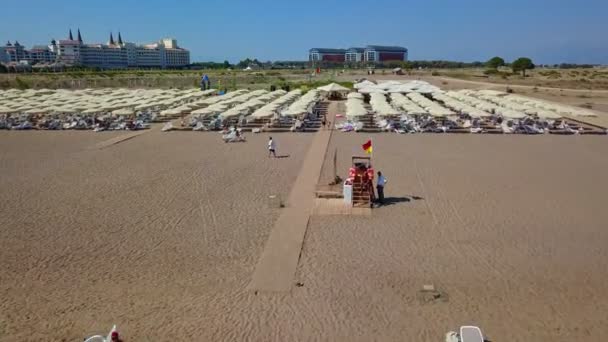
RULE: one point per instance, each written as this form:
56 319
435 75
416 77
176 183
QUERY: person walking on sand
380 187
323 122
272 148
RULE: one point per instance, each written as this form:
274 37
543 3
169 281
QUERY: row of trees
521 64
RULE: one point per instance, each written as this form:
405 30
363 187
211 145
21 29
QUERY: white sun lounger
470 334
167 127
99 338
467 334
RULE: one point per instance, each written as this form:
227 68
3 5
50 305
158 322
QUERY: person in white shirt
380 187
271 148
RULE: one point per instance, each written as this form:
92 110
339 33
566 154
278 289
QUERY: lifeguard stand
361 174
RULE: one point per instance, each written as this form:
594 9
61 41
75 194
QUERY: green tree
495 63
227 65
3 69
522 64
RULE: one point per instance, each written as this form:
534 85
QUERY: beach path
277 265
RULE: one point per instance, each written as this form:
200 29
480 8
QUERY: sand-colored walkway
276 268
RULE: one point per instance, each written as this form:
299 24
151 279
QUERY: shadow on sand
283 156
397 200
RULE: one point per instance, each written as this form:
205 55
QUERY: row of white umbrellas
460 106
385 87
252 104
220 104
432 107
381 106
556 108
402 102
118 101
274 107
303 104
511 109
355 106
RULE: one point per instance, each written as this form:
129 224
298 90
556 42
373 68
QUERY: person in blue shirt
203 84
380 187
207 82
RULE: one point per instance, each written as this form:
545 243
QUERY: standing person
207 82
323 122
380 187
271 148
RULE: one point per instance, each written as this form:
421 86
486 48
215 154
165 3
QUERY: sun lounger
100 338
23 126
167 127
233 137
467 334
470 334
199 127
532 129
506 129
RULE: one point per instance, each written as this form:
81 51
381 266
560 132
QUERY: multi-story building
119 54
41 54
354 55
370 54
380 54
14 52
3 55
327 55
113 55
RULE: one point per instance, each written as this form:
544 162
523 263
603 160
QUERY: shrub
435 73
21 83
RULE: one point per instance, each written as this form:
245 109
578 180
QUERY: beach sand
160 234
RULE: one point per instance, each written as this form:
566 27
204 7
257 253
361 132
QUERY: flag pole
371 155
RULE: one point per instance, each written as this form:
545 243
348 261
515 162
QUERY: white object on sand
99 338
470 334
167 127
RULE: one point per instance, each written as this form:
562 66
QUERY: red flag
367 147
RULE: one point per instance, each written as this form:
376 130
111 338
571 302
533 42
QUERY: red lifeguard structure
361 176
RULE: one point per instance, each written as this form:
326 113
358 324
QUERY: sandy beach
161 233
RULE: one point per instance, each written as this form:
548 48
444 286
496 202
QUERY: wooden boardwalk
276 268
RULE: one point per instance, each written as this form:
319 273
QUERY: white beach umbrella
333 87
123 112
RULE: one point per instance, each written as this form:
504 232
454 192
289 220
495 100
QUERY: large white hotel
116 54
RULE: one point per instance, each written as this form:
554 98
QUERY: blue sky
466 30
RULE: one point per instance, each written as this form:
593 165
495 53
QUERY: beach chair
232 137
100 338
199 127
167 127
506 129
467 334
471 334
297 126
